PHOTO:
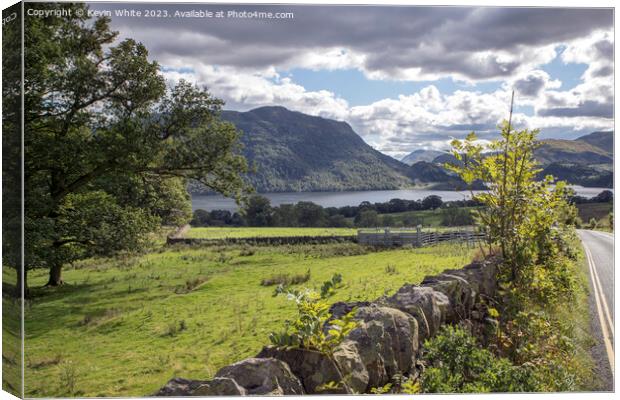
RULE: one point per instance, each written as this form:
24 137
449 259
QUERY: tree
367 218
11 150
310 214
285 215
431 202
109 149
201 218
258 211
521 215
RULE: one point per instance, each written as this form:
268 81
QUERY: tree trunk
55 275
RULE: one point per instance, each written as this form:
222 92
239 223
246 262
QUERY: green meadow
124 326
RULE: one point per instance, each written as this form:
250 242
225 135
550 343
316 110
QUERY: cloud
585 109
244 61
532 83
411 43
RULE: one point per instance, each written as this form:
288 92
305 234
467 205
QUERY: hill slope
602 140
292 151
595 148
571 151
421 155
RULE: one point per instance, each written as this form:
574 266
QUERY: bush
456 364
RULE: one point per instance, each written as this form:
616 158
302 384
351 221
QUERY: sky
405 78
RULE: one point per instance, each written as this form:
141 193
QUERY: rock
387 340
351 366
374 346
314 369
429 307
402 336
180 387
266 376
461 294
220 387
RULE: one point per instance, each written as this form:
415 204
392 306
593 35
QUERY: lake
340 199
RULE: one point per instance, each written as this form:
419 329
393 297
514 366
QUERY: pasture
124 326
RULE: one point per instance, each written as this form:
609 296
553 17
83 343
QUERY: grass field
123 327
249 232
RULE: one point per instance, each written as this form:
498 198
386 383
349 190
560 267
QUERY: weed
286 279
390 269
67 377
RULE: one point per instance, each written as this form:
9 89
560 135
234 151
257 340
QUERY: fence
417 238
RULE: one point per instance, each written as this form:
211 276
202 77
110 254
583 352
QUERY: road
599 249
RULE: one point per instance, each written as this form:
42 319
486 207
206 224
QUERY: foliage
308 330
524 217
103 135
258 211
532 224
455 216
367 218
457 364
411 387
382 389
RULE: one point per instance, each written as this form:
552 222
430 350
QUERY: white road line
597 297
600 288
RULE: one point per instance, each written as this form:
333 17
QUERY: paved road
599 249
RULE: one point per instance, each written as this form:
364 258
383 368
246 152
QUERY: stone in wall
266 376
429 307
314 369
179 387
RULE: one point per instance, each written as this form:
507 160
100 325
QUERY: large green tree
109 147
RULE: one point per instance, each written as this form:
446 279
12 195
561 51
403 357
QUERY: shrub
457 364
308 329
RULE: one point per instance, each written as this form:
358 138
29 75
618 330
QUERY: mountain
595 148
602 140
578 174
292 151
572 151
421 155
585 161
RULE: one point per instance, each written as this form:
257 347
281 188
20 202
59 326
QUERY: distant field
598 211
123 327
245 232
594 210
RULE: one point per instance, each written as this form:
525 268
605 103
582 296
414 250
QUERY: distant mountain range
585 161
292 151
421 155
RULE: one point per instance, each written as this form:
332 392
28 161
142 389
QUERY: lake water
340 199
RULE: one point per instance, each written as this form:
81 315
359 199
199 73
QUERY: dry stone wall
387 342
